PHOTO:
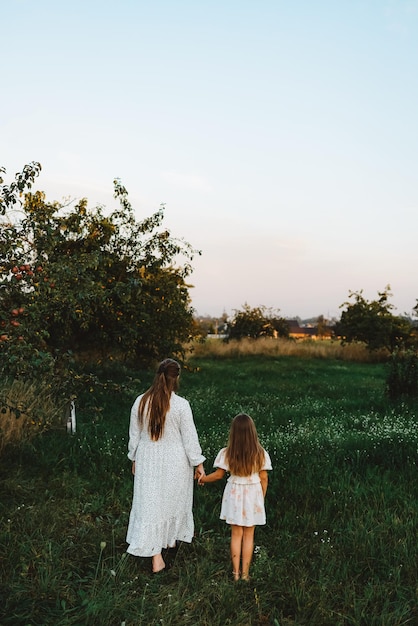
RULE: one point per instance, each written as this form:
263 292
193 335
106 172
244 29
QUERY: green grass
340 545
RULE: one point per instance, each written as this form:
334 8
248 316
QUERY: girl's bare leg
236 543
247 550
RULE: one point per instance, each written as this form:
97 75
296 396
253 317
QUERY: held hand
133 468
199 472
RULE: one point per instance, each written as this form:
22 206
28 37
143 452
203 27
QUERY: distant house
296 331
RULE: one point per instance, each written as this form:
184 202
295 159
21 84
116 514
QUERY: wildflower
102 545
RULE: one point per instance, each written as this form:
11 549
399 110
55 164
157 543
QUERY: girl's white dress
243 500
163 483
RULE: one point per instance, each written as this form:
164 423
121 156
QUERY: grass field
340 545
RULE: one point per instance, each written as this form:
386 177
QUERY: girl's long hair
244 453
155 402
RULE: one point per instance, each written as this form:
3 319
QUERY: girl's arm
218 474
264 479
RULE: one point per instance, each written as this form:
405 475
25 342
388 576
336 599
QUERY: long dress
243 500
162 502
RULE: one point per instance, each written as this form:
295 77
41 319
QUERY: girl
243 498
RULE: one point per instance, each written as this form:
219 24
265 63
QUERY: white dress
243 500
163 484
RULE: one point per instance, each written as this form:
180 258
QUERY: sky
281 135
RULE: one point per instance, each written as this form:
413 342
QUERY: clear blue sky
281 134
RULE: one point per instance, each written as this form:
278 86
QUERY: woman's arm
189 436
218 474
264 479
199 471
133 431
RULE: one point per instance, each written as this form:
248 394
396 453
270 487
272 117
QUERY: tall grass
339 547
26 409
302 348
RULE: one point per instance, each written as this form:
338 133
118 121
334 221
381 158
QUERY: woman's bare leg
247 550
236 544
157 563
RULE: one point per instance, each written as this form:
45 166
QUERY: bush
402 379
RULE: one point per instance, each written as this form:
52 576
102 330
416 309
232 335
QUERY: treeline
371 322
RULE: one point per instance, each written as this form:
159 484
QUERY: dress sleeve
133 430
267 461
189 436
220 460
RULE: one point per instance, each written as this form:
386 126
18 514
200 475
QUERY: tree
206 324
325 327
256 322
10 194
82 281
373 322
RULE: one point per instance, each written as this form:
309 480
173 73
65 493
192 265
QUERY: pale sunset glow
281 136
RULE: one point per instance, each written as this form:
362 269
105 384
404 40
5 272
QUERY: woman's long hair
155 402
244 453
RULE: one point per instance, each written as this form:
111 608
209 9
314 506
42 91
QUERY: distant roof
296 328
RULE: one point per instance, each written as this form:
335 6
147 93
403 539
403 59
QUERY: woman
164 448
